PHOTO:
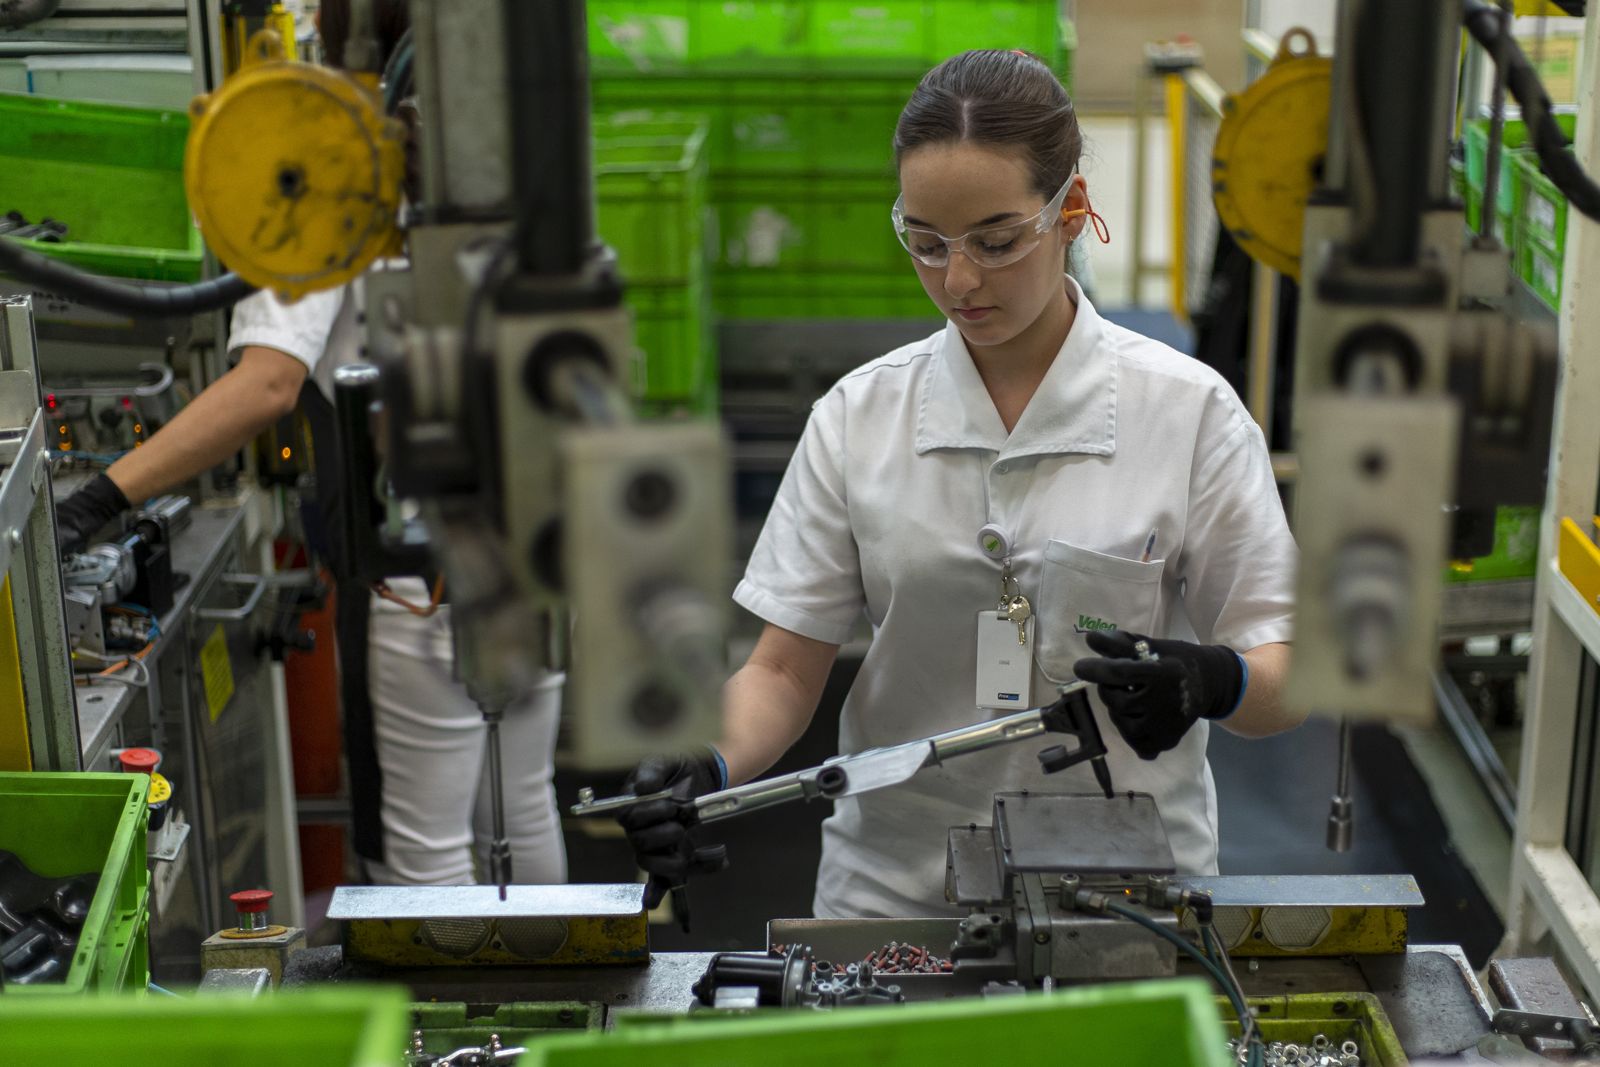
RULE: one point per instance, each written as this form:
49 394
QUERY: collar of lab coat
1073 410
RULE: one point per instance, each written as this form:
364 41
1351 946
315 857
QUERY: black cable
1234 994
139 301
1559 165
397 77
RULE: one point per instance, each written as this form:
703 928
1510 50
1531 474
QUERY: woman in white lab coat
1118 485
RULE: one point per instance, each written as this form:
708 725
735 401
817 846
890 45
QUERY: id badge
1005 667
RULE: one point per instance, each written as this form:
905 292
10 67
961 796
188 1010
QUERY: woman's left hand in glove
1154 700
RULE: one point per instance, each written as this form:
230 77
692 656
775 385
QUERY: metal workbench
219 723
1431 995
200 552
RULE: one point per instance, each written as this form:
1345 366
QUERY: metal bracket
1533 1024
258 587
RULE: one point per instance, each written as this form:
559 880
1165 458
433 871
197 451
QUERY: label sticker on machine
217 670
1005 665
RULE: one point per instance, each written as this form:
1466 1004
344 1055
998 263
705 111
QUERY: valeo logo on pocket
1089 624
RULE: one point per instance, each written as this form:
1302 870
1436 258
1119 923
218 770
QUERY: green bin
775 125
651 187
1173 1023
649 37
1540 269
349 1026
66 824
1340 1017
113 174
677 363
1543 214
823 295
650 182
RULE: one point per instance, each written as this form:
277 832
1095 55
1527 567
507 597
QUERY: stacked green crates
802 98
113 174
60 825
650 178
1541 244
1530 213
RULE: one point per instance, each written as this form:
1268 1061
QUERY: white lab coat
430 735
902 463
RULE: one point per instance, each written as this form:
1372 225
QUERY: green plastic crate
807 223
1542 217
66 824
448 1026
777 125
1515 553
650 37
1340 1017
113 174
1173 1023
1513 146
677 361
650 188
1540 270
823 295
349 1026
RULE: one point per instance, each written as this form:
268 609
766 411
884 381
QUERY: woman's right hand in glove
660 830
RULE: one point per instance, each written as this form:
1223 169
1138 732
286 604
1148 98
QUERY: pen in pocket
1149 546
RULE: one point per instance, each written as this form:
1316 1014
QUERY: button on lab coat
902 463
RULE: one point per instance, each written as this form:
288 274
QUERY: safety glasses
991 246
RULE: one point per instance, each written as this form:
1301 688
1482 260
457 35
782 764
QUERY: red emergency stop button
252 907
139 760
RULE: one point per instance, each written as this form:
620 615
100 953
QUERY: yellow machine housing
294 173
1269 151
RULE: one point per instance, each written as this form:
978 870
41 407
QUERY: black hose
1234 994
139 301
397 77
19 13
1544 132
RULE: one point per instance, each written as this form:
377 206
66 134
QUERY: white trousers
431 742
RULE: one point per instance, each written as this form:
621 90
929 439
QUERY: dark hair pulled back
1006 99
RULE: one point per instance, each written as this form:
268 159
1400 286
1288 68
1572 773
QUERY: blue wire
164 992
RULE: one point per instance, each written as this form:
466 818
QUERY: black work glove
86 510
659 830
1154 702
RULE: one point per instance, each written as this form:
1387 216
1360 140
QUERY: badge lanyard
1005 634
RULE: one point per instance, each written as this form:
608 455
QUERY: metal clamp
1529 1024
258 584
158 379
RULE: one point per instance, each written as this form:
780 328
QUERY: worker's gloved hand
86 510
659 830
1153 702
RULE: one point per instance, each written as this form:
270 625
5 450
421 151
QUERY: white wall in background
1280 16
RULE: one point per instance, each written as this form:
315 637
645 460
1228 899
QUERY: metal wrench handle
834 778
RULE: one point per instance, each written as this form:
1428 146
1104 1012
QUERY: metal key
1018 610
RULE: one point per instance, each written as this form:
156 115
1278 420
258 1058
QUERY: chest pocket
1081 591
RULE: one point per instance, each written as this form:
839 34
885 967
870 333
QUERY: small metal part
1146 654
499 844
1341 814
588 805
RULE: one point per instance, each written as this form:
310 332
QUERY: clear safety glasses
991 246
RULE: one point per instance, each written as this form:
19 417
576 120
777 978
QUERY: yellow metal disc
294 175
1269 152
